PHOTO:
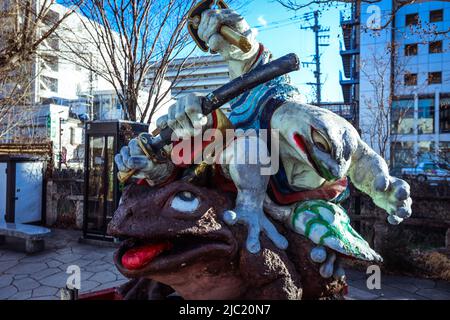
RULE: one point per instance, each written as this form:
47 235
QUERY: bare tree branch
385 116
26 25
131 37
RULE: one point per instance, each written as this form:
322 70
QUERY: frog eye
185 202
320 141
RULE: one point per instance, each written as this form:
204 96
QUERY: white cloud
262 21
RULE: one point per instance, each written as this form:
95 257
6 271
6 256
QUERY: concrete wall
64 203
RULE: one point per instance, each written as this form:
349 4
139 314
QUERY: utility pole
316 30
318 36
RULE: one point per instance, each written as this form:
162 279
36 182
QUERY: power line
283 22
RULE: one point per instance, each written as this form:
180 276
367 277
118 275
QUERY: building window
5 6
411 49
402 117
435 47
425 152
410 79
50 63
51 18
434 77
425 123
53 42
48 83
402 154
436 15
444 155
412 19
444 115
72 135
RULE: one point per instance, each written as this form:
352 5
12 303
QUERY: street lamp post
61 121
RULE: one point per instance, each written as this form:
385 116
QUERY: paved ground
40 276
396 288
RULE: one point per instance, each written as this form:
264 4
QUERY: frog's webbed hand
370 174
251 185
132 157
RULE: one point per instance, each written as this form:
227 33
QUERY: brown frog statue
175 240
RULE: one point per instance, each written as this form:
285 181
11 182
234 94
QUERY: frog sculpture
188 250
319 154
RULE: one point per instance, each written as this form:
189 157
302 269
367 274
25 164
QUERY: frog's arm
368 171
370 174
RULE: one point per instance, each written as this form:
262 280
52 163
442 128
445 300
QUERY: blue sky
291 38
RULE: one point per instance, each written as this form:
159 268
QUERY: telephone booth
103 140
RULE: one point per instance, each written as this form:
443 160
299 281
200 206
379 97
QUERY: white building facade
200 74
61 89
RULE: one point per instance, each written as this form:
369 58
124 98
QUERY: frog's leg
241 165
327 225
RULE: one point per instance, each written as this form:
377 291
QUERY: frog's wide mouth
314 163
141 257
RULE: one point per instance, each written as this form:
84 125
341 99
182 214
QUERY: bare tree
419 27
386 116
25 25
14 102
130 38
296 5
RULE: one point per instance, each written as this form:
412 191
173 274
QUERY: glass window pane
110 177
96 184
48 83
403 154
412 19
402 117
434 77
444 115
410 79
436 15
444 155
411 49
426 116
435 47
426 152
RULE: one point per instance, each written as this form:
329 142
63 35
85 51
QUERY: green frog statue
314 154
